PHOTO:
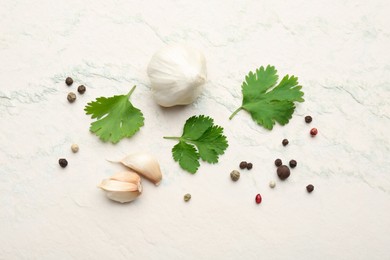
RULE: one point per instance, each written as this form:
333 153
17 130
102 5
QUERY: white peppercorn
75 148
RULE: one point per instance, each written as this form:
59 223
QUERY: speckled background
339 50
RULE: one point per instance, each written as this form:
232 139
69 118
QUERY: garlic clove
126 176
121 196
145 165
113 185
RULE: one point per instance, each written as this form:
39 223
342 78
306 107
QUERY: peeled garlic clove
122 186
144 164
122 197
112 185
126 176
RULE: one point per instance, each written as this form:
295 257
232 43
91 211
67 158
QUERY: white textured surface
339 50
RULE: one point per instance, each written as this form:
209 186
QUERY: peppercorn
309 188
71 97
69 81
313 131
278 162
63 162
249 166
74 148
285 142
293 163
81 89
235 175
187 197
258 199
308 119
243 164
283 172
272 184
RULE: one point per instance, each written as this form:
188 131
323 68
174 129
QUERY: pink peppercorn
258 199
313 131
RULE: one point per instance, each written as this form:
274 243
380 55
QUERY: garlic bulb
177 74
145 165
122 187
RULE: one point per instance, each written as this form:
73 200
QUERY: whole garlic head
122 187
177 74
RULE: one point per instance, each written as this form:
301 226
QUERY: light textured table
340 52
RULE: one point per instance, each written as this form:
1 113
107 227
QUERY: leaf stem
171 137
131 91
235 112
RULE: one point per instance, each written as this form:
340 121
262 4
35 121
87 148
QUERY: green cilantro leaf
116 117
267 102
201 139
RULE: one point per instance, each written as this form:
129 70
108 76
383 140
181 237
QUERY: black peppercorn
69 81
249 166
283 172
308 119
278 162
71 97
63 162
293 163
285 142
81 89
309 188
243 164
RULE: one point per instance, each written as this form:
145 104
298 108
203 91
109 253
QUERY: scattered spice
272 184
235 175
63 162
69 81
293 163
81 89
74 148
278 162
309 188
249 166
285 142
308 119
313 131
187 197
243 164
71 97
283 172
258 199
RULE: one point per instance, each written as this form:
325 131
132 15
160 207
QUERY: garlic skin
177 73
122 187
144 164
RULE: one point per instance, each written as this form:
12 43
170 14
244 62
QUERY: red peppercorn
258 199
313 131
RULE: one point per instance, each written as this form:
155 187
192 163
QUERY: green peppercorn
187 197
71 97
235 175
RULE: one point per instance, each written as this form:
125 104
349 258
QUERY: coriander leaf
116 117
201 139
187 156
267 102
